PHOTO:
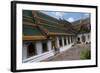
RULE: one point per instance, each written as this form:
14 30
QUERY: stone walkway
72 54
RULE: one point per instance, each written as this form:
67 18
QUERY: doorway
31 50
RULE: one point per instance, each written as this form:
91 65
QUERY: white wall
57 41
62 38
5 37
86 36
40 55
24 53
49 45
64 47
38 47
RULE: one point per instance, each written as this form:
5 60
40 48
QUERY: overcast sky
69 16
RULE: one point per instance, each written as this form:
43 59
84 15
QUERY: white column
24 51
70 39
38 47
81 38
66 40
62 41
57 42
49 45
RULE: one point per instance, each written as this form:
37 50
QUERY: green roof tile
54 29
31 31
47 17
27 13
28 20
27 16
50 23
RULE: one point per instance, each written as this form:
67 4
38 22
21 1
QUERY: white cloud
58 14
71 19
55 14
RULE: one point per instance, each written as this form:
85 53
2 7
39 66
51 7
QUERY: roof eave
28 38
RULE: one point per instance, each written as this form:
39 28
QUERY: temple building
84 30
44 36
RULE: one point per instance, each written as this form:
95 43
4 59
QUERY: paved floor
72 54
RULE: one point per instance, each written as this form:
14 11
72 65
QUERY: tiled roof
29 30
44 16
27 13
83 25
38 24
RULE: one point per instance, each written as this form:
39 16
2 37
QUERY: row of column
87 37
69 40
38 48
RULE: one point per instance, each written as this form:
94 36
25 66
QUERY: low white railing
40 57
